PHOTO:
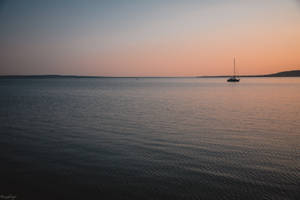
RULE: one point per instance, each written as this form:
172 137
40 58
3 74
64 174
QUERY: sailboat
234 77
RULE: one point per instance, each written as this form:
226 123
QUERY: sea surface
150 138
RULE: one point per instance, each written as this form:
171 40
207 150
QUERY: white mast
233 66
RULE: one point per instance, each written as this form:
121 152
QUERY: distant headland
293 73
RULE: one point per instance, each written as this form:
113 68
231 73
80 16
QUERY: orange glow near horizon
262 54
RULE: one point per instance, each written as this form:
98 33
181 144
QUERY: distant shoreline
82 77
293 73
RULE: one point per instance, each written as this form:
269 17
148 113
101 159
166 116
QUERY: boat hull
233 80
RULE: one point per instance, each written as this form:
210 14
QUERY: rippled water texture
150 138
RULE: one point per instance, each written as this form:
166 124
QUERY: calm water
163 138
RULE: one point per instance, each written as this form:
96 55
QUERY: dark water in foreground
150 138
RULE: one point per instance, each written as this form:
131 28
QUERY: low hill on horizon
293 73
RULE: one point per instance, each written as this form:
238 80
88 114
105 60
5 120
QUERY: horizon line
101 76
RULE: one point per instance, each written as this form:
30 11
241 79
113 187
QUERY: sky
148 38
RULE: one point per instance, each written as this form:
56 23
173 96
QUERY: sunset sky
149 38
